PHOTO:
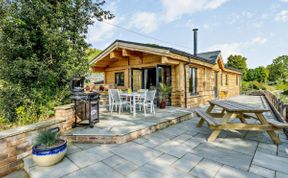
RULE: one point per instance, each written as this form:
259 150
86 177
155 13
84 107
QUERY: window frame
116 81
227 80
193 81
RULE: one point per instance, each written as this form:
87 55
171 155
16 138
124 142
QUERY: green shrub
46 138
258 86
285 92
42 45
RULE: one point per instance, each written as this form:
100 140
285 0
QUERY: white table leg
134 105
110 103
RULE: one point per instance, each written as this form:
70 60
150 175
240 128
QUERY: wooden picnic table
230 109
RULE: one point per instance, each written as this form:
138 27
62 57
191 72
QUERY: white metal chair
116 100
147 101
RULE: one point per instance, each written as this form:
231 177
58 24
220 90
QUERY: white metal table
133 95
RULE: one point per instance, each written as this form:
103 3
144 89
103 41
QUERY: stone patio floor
177 151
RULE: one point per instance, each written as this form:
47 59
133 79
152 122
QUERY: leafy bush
164 91
258 86
46 138
285 92
42 45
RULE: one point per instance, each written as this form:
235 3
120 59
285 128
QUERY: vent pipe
195 30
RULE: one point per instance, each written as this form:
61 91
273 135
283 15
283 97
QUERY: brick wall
15 144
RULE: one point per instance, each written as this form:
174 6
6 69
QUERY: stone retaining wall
15 144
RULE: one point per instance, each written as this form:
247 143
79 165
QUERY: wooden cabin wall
206 83
124 65
205 79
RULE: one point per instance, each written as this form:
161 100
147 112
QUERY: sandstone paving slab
267 148
163 160
282 154
223 155
187 162
96 170
136 153
283 147
262 137
72 149
173 131
114 161
174 148
140 140
206 169
58 170
281 175
126 168
84 146
236 144
182 138
262 171
17 174
229 172
156 139
90 156
271 162
200 138
150 171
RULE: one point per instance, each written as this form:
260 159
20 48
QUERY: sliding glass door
163 75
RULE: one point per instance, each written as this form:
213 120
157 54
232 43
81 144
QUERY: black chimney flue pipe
195 30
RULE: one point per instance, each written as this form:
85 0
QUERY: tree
279 68
238 62
42 45
261 74
250 76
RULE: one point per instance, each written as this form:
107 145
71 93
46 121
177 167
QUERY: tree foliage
42 45
279 68
238 62
259 74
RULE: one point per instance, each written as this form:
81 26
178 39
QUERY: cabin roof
208 57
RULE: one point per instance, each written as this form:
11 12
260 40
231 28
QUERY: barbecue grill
89 99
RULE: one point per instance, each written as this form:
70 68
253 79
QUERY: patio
120 128
180 150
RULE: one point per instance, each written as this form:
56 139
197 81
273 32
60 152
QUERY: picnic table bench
230 109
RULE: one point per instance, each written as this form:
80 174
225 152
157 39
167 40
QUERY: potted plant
49 148
164 91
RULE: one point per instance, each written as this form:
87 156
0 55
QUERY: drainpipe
185 85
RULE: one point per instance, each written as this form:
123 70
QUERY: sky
256 29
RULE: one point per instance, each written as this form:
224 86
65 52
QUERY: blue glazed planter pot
49 156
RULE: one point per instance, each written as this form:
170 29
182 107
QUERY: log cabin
194 78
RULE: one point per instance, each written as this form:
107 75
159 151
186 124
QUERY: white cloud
282 16
237 47
227 49
101 31
175 9
146 22
259 40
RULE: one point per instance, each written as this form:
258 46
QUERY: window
193 81
119 79
237 80
226 80
221 79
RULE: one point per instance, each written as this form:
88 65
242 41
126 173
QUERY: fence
279 108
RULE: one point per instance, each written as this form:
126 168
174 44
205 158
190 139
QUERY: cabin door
136 81
163 75
216 85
